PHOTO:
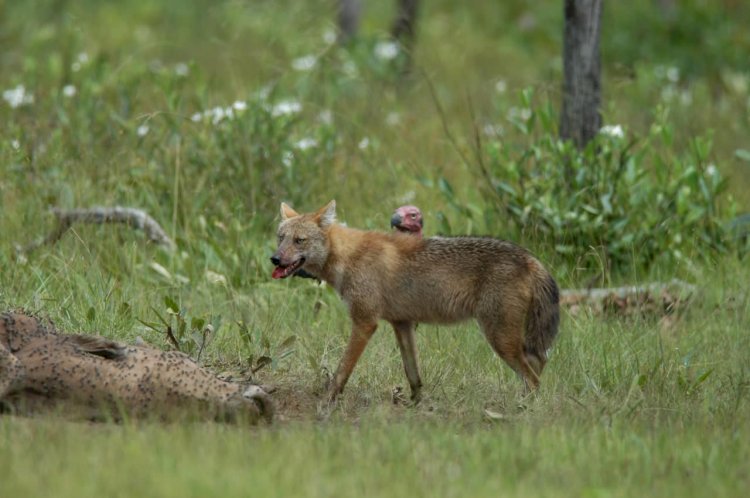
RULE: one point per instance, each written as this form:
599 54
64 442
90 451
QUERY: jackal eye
299 240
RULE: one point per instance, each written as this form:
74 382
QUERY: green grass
628 405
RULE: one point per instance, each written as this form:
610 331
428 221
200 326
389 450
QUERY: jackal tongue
285 271
278 272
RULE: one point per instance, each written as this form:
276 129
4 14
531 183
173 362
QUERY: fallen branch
655 297
134 218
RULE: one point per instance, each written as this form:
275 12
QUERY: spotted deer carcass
42 370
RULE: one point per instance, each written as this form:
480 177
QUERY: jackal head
303 240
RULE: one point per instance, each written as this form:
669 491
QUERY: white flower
364 143
16 97
393 119
306 143
387 50
181 69
711 170
492 130
239 105
736 81
215 278
673 74
15 144
265 92
142 130
287 158
286 107
501 86
524 113
197 117
329 36
81 60
217 114
305 63
615 131
69 90
325 117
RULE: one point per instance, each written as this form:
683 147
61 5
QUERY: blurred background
207 114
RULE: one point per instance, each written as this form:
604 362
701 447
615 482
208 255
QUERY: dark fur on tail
542 322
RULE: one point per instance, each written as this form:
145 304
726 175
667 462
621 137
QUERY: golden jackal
405 279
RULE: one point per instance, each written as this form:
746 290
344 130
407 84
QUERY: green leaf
197 323
171 305
288 342
262 362
743 154
445 188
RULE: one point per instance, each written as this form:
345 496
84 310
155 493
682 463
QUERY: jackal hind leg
361 334
506 336
405 338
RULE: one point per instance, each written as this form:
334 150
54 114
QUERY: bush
632 200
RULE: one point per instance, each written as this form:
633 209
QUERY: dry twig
132 217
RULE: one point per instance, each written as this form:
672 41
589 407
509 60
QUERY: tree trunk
349 13
404 27
580 119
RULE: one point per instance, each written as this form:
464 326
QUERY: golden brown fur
405 280
94 377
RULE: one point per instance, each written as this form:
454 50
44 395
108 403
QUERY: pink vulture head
408 219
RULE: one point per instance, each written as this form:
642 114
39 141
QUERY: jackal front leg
361 333
405 338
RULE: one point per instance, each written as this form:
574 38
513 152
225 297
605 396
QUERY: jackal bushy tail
542 321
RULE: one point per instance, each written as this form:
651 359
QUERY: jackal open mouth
282 271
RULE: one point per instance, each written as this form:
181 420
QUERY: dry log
132 217
656 297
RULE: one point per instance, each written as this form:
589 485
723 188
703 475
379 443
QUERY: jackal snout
286 264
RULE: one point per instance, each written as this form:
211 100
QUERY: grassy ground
628 405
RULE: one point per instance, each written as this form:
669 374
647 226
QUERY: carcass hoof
262 401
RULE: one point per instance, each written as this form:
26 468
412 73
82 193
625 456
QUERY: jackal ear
287 212
326 216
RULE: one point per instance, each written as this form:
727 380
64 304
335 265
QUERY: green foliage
698 37
183 333
633 200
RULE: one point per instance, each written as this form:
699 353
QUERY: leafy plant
185 334
631 199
